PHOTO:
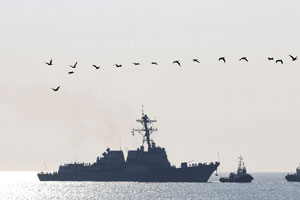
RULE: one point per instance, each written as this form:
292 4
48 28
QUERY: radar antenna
147 129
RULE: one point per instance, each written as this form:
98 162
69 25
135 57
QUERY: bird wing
55 89
176 62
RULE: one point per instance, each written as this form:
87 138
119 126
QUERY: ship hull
241 179
188 174
292 178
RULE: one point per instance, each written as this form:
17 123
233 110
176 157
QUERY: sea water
25 185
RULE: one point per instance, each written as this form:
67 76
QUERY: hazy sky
249 109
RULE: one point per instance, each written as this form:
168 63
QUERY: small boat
240 176
294 177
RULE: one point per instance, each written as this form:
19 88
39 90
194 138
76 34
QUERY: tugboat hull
241 179
292 178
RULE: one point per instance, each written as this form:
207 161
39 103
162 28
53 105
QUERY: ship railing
72 164
203 164
48 173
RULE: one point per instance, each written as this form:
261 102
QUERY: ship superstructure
141 165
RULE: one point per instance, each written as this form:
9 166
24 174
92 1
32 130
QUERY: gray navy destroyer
141 165
294 177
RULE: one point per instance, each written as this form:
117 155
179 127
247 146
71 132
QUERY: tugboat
294 177
240 176
151 165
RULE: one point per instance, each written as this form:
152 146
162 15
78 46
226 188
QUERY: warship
294 177
141 165
240 176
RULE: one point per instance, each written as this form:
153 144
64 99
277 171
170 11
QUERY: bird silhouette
136 63
73 66
223 59
55 89
270 58
96 67
118 65
71 72
49 63
177 62
244 58
294 58
154 63
279 61
196 60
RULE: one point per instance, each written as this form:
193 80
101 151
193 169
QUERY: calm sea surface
25 185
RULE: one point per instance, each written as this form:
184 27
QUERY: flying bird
223 59
294 58
71 72
96 67
244 58
196 60
73 66
136 63
154 63
49 63
279 61
118 65
177 62
270 58
55 89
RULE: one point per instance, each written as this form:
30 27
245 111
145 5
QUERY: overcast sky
249 109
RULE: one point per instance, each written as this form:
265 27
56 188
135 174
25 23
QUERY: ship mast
147 129
240 165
